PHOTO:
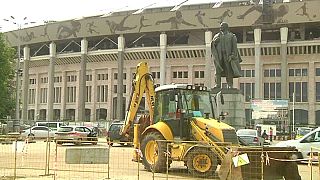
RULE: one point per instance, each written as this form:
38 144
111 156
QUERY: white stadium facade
71 70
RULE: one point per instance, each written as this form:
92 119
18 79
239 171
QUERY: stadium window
196 74
247 89
266 73
318 91
278 72
175 75
185 74
201 74
304 72
317 71
272 72
291 72
248 73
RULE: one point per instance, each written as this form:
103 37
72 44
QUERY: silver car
250 137
37 132
75 135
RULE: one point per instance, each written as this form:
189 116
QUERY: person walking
271 133
264 135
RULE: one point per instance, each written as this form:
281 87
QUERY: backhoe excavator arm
142 83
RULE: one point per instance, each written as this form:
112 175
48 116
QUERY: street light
19 24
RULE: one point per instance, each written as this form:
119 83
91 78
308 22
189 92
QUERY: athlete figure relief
67 31
226 13
199 16
304 12
113 26
278 13
142 19
175 21
91 27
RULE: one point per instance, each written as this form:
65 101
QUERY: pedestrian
271 133
226 56
264 135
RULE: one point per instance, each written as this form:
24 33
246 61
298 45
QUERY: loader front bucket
267 163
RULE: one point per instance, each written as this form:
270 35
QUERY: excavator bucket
266 163
227 170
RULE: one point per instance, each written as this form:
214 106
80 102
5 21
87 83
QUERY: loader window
166 105
197 101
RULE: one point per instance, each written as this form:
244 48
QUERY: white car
37 132
304 144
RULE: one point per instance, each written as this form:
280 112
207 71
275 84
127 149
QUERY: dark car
250 137
76 135
114 136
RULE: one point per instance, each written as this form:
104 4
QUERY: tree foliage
7 90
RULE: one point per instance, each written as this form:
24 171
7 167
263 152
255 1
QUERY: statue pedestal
234 106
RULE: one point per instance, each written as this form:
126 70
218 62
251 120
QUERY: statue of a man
226 56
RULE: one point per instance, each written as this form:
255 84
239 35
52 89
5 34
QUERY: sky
38 11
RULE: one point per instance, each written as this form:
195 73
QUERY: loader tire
153 152
202 162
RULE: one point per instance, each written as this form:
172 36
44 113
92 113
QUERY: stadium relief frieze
245 15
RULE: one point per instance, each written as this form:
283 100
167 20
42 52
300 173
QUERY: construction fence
43 159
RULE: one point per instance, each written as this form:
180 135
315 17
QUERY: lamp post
19 24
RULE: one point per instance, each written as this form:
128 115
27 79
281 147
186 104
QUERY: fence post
109 160
56 162
167 161
262 163
319 162
15 159
311 163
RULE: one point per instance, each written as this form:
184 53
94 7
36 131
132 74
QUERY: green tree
7 90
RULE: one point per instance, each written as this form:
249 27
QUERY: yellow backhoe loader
182 125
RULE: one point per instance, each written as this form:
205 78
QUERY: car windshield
65 129
246 133
303 131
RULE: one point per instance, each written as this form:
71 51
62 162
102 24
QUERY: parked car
76 135
114 136
53 125
250 137
37 132
304 144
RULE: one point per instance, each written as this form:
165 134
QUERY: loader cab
176 105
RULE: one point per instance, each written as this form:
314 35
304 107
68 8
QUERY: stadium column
207 74
163 52
63 95
82 80
258 64
311 94
53 56
110 95
284 62
26 51
121 45
94 96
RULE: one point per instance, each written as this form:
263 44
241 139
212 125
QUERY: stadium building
75 70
